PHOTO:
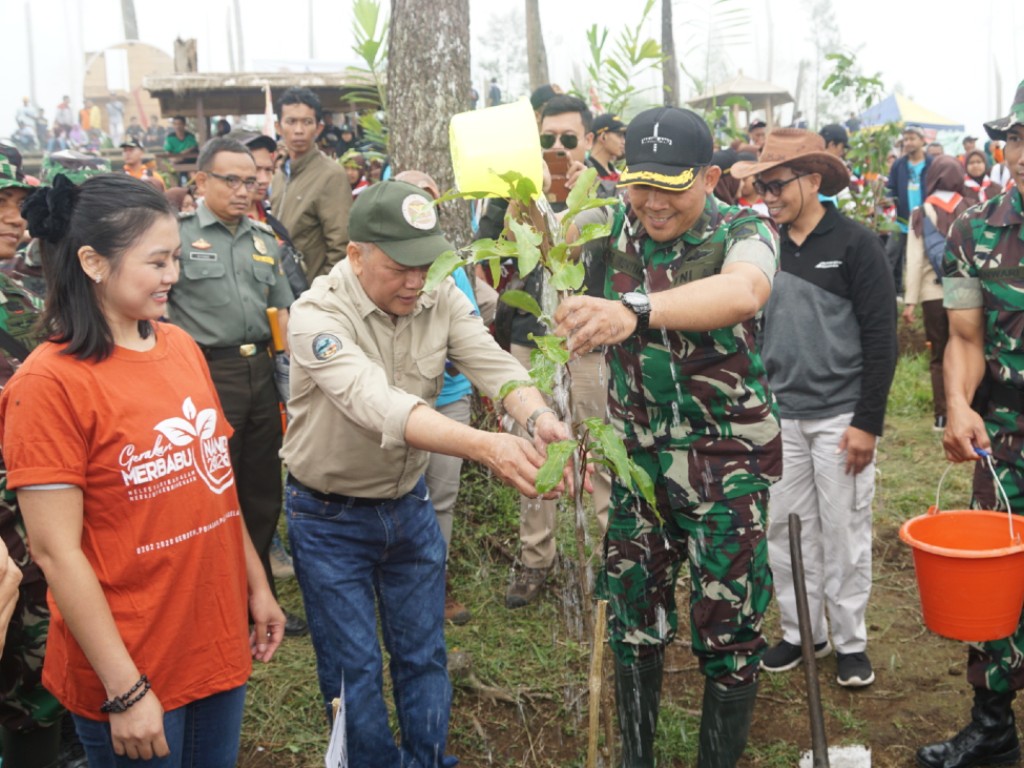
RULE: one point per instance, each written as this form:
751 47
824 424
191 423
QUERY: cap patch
419 212
326 346
655 139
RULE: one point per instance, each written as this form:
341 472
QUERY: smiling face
391 286
136 286
12 226
795 199
667 215
976 166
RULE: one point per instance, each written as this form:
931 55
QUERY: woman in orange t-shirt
117 446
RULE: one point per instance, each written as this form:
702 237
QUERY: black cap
757 122
607 122
833 133
132 143
665 146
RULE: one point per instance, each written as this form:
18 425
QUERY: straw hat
800 150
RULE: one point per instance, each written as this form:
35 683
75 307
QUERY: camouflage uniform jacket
984 268
18 316
698 399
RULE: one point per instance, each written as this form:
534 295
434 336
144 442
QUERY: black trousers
248 396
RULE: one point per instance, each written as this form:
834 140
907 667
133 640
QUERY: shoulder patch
326 346
262 226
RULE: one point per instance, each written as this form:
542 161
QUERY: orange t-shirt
142 434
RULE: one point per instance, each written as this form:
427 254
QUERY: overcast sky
944 59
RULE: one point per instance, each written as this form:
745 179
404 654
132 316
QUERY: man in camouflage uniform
29 715
984 272
687 277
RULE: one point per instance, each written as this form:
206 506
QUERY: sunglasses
569 141
773 188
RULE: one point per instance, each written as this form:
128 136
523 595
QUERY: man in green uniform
29 715
687 278
230 275
984 363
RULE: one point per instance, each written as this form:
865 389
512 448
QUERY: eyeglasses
569 140
774 188
234 182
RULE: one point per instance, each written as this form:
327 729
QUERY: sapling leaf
511 386
553 347
590 232
550 475
443 266
522 300
581 189
644 484
527 250
568 277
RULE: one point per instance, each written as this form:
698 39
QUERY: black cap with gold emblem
665 148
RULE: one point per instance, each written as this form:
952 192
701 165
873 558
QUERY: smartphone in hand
558 161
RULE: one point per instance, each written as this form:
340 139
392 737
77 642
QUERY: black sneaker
294 626
940 423
785 656
854 670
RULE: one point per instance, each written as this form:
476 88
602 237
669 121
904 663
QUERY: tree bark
669 67
131 26
428 82
536 53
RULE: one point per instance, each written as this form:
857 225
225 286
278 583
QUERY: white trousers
835 517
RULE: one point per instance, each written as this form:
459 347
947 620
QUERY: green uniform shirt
227 281
176 146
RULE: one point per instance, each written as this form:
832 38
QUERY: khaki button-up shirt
227 281
356 374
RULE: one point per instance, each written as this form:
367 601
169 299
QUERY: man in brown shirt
310 195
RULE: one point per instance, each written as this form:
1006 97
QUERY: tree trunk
131 26
240 42
428 82
669 67
536 54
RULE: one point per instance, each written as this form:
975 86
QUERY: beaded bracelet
124 701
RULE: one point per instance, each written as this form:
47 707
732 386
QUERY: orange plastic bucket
970 571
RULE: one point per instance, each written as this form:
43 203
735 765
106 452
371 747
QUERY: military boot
725 724
989 739
637 699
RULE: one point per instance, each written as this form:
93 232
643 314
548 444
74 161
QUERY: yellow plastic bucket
492 141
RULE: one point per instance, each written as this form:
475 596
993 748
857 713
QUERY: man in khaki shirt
368 358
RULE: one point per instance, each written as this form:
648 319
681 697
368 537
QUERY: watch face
638 302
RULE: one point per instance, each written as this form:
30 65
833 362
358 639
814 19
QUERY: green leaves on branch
550 475
606 445
370 29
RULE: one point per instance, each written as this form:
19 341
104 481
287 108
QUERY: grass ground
521 698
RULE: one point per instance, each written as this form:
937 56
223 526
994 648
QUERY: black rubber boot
637 699
989 739
725 724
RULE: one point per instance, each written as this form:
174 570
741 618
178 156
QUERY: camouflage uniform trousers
999 664
731 584
24 702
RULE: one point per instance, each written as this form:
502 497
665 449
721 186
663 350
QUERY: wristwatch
531 422
640 305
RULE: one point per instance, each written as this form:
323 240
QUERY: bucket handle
985 456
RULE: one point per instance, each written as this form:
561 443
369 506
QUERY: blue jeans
351 562
202 734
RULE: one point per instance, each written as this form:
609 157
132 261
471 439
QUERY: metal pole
31 57
819 744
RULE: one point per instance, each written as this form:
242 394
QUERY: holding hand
588 322
965 431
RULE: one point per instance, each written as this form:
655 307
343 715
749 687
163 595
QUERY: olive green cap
401 220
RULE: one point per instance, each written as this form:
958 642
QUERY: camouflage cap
76 166
996 129
10 169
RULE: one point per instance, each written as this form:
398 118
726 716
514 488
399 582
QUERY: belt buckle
247 350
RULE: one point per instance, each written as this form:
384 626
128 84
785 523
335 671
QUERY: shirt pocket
431 370
206 284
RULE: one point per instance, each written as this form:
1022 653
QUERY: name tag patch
263 259
202 256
